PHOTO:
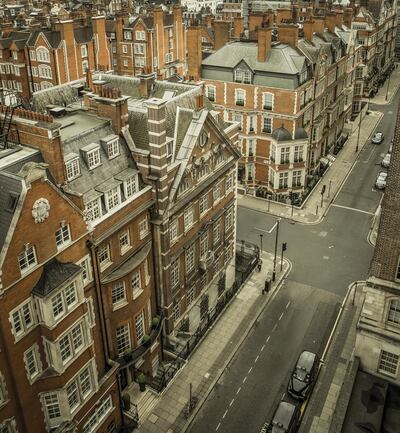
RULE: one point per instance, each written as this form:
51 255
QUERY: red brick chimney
66 29
288 34
146 84
208 21
264 43
308 29
193 40
309 12
348 17
330 21
283 14
238 27
319 25
102 59
339 18
256 21
295 13
221 33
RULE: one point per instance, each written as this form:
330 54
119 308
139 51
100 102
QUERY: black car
303 376
286 418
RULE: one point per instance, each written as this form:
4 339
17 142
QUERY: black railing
241 103
246 261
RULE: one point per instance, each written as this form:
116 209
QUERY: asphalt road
326 258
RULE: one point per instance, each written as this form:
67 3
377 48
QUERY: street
326 258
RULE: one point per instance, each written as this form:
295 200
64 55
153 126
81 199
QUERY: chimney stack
288 34
238 27
146 84
264 43
193 37
348 17
283 14
221 33
319 25
339 18
99 29
308 29
330 21
256 21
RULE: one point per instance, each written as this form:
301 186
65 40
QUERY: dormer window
94 158
113 197
243 76
92 155
72 166
113 149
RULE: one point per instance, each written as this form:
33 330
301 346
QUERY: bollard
316 211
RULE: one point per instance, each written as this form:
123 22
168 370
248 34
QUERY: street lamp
387 89
261 239
276 247
359 130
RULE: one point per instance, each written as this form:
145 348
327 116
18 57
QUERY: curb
236 348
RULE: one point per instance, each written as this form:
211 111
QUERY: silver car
377 138
386 161
381 181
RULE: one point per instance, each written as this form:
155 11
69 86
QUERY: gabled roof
53 38
83 34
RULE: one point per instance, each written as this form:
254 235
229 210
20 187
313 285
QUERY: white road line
224 415
280 317
256 358
231 403
352 208
263 347
283 396
267 231
244 380
237 392
273 329
287 305
218 426
268 339
251 368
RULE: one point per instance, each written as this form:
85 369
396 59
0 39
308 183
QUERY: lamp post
359 131
261 246
276 247
387 88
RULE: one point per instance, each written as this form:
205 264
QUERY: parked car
381 180
285 419
386 161
377 138
390 147
303 376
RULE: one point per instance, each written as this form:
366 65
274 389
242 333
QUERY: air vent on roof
57 111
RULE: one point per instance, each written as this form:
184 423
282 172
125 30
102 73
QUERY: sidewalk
380 97
312 212
327 407
167 411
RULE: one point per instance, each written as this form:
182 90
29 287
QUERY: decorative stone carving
40 210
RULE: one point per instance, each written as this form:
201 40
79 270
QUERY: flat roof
73 124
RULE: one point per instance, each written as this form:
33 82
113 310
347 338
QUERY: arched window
42 54
45 85
44 71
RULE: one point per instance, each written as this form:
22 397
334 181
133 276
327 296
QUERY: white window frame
240 97
113 197
268 101
64 304
86 266
136 283
139 327
32 362
27 256
23 311
105 248
93 209
118 294
388 363
82 394
123 331
267 120
203 204
217 194
211 93
63 236
393 316
190 259
131 186
70 342
125 242
144 228
140 35
174 272
229 218
188 217
73 168
173 231
93 158
84 51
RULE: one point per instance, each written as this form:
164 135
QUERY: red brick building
152 43
55 371
38 59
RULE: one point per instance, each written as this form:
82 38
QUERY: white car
377 138
386 161
381 181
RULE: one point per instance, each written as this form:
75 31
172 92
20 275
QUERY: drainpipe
31 90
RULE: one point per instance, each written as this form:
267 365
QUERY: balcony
298 160
285 161
240 103
267 107
138 352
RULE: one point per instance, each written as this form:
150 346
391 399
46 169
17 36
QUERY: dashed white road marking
268 339
218 426
352 208
224 415
280 317
251 368
244 380
262 348
256 358
237 392
273 329
231 403
287 305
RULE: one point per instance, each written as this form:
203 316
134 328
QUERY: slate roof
281 59
281 134
52 36
83 34
9 183
300 133
54 275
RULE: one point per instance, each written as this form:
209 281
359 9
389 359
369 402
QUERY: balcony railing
241 103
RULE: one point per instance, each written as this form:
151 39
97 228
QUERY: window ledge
137 293
119 305
124 250
104 266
